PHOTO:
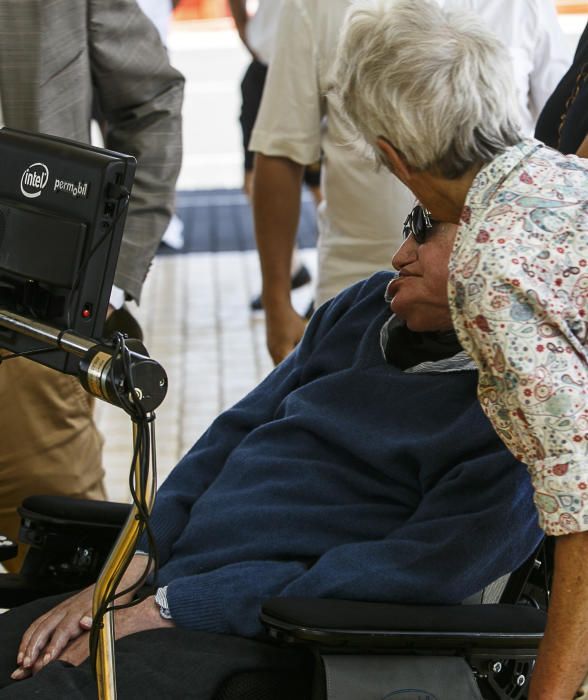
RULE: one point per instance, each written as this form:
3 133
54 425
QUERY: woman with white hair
432 93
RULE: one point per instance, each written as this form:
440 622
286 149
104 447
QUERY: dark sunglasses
418 224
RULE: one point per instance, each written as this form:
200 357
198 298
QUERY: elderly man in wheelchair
360 469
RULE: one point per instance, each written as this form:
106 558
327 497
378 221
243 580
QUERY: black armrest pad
64 510
339 621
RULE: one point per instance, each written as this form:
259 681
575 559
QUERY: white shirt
540 55
1 115
262 27
360 220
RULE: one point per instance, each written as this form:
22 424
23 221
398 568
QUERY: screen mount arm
101 372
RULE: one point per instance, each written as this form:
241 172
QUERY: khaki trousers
49 443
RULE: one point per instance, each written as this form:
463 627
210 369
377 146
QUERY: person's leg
251 93
170 663
50 444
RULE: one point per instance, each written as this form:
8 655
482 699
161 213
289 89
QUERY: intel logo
34 179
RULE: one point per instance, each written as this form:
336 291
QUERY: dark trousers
251 93
162 663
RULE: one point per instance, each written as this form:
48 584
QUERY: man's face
419 293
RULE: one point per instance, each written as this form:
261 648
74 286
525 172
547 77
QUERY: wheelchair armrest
63 510
8 549
70 539
353 626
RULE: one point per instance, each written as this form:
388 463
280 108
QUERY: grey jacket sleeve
140 96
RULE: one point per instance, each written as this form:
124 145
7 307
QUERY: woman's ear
396 161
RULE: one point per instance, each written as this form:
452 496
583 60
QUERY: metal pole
124 547
109 577
70 342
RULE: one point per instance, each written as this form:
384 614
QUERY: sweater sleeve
475 524
205 460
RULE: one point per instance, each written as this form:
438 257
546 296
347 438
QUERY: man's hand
140 617
49 635
284 329
276 209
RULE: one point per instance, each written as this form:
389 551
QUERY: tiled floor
198 326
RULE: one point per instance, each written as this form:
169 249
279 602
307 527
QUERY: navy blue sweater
341 476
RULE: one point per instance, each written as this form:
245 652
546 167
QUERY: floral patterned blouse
518 289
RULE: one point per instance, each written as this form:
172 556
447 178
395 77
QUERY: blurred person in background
160 13
55 60
362 210
537 47
563 123
258 34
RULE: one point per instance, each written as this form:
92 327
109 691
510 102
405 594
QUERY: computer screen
63 206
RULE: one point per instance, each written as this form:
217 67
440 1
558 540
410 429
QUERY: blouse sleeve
520 311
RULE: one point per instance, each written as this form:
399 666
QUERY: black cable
143 467
27 353
143 516
107 604
38 351
123 202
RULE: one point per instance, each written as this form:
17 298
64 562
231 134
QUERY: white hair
436 84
